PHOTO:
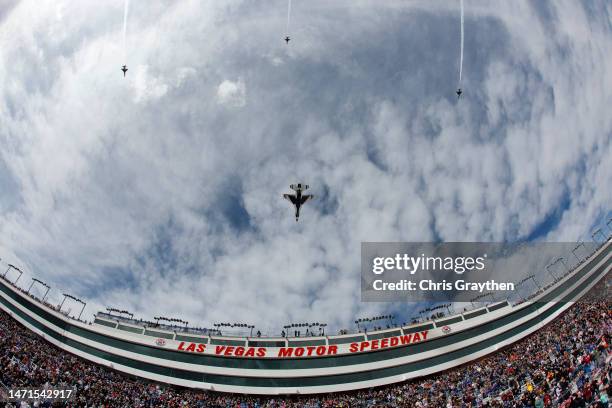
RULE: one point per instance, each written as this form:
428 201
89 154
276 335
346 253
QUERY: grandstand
289 365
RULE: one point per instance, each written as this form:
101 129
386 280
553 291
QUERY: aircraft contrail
461 55
288 15
125 17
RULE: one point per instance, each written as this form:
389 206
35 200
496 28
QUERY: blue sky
161 192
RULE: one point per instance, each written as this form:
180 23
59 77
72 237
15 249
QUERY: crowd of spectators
566 364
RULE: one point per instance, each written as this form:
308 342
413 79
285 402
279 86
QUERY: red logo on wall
160 342
446 329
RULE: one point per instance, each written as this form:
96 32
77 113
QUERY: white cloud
147 192
232 93
147 88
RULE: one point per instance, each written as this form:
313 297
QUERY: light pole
66 295
46 292
548 270
525 279
20 273
11 266
309 328
562 260
7 270
535 282
574 251
63 300
34 280
598 231
31 284
82 309
170 320
110 311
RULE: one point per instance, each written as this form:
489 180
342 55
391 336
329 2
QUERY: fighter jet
459 92
124 69
298 199
287 39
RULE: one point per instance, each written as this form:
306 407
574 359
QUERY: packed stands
567 363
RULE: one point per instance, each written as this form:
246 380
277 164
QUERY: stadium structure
294 365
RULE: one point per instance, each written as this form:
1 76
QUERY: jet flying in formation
459 92
124 69
298 199
287 39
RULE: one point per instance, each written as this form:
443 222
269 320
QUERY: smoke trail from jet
125 17
288 15
461 55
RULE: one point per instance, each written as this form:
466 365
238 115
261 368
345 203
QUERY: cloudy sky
161 192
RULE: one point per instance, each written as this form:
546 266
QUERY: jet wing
290 197
306 197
